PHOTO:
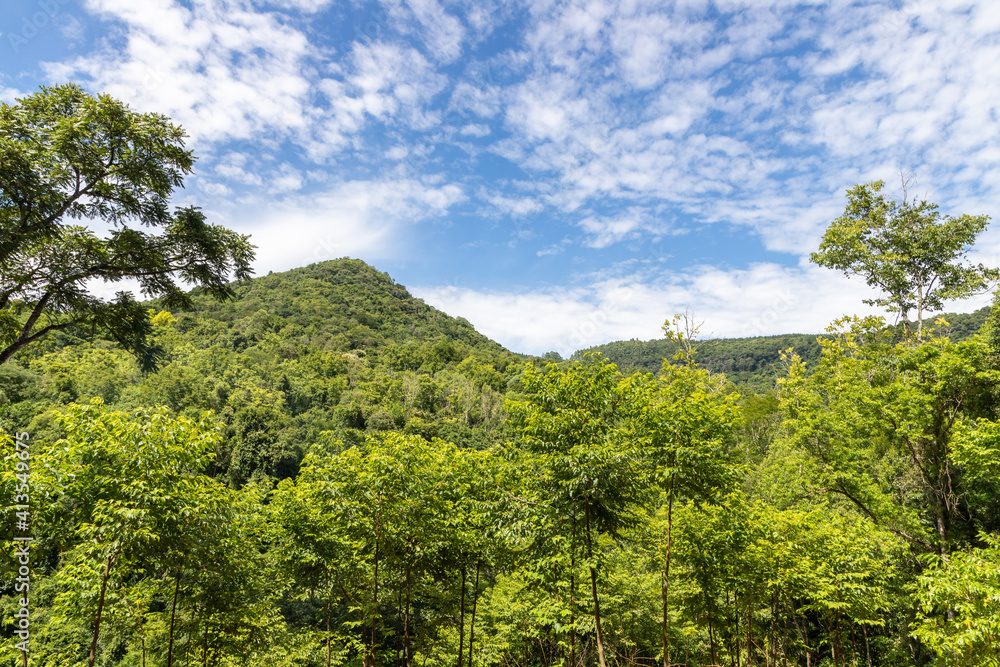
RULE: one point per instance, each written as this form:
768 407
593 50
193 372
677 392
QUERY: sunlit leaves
959 600
907 250
67 155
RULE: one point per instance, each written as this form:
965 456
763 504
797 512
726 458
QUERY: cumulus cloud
763 299
366 219
9 95
731 130
219 68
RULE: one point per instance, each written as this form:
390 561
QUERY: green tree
314 527
67 155
959 600
574 421
132 484
907 249
880 423
684 423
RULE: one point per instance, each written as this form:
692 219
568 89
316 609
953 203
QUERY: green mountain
335 349
332 350
753 362
447 511
339 305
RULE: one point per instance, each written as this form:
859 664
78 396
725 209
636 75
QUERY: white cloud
217 68
9 95
517 207
603 231
307 6
385 82
475 130
70 28
483 101
441 32
286 179
233 166
389 78
764 299
367 219
729 133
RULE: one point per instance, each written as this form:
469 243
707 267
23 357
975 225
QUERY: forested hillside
312 468
339 306
335 347
753 362
324 470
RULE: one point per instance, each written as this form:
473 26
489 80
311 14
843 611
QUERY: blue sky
560 173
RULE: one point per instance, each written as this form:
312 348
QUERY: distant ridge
754 362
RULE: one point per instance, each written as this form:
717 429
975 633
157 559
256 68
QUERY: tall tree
67 155
907 249
684 421
132 483
880 423
574 420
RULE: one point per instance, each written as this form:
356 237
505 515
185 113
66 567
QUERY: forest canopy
383 485
323 470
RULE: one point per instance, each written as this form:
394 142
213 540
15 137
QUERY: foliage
906 249
959 599
755 363
66 154
339 474
880 421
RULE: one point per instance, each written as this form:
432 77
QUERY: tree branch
12 349
871 515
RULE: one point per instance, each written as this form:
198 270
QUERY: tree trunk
572 597
735 655
329 603
772 641
838 652
371 646
920 312
461 620
665 590
711 641
868 651
399 623
406 622
100 610
593 587
805 639
472 623
173 618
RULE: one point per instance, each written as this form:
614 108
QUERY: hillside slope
754 362
335 348
340 305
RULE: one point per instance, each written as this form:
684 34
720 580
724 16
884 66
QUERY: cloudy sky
560 173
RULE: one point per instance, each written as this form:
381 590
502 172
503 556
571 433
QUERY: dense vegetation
327 471
754 363
335 347
323 470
